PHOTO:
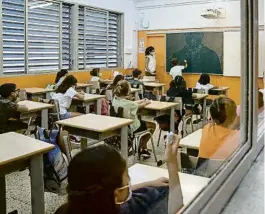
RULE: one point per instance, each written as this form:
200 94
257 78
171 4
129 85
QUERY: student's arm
147 60
185 64
80 95
142 103
155 183
175 199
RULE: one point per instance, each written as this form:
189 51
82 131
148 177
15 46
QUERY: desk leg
37 185
204 111
83 143
99 101
124 142
48 95
157 94
172 120
2 195
87 108
44 118
87 90
162 90
136 95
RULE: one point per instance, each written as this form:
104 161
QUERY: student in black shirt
99 183
9 109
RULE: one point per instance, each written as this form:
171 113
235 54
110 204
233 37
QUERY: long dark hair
149 50
60 74
204 79
93 176
66 84
180 83
117 79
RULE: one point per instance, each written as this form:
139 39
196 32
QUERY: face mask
129 195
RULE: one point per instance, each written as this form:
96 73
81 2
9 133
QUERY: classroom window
99 38
66 36
13 30
43 36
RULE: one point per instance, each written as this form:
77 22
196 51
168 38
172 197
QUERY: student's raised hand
172 150
147 101
160 182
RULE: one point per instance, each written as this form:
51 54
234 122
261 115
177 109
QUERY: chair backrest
109 95
95 88
201 91
116 111
22 95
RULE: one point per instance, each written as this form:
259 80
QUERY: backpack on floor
55 162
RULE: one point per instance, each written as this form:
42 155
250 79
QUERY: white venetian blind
66 36
43 37
114 40
13 21
99 38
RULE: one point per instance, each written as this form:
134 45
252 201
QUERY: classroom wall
158 41
172 14
130 18
42 80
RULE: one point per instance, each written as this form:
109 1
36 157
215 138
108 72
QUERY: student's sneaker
145 153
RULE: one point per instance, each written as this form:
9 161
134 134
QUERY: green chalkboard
202 50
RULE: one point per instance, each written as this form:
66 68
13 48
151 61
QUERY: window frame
73 50
219 190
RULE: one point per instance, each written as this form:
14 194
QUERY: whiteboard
232 53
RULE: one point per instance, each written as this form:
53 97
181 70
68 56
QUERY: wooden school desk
191 185
84 87
34 108
136 92
192 141
157 86
220 90
98 127
35 93
161 108
90 99
17 152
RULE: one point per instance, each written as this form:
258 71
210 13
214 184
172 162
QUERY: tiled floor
249 197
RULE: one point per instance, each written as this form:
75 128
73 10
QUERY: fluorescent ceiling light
40 5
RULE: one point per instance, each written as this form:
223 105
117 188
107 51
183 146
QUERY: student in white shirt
176 70
150 61
204 83
95 75
64 94
60 76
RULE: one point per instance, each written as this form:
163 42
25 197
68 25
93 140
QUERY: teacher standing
150 61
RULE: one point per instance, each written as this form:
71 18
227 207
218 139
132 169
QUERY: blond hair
122 88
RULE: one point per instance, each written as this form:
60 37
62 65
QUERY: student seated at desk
95 75
10 110
130 108
219 140
99 183
117 78
135 82
64 94
176 70
178 89
60 76
204 83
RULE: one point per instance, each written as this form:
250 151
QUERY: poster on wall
141 46
203 51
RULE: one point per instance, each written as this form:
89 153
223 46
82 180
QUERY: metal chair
95 89
119 112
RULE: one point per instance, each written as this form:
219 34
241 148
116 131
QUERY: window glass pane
43 36
13 36
81 39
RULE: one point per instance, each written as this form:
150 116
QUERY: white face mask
129 195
